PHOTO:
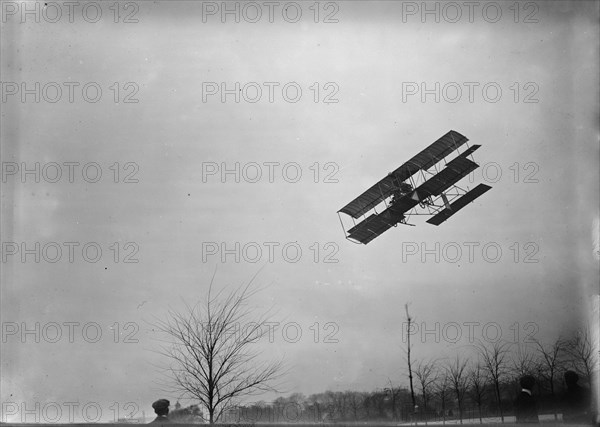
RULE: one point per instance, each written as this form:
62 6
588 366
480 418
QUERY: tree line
483 384
212 362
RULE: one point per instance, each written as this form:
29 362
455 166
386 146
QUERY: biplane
421 186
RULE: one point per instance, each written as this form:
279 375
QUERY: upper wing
436 151
424 160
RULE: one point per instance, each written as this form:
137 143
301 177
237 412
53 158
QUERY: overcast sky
539 137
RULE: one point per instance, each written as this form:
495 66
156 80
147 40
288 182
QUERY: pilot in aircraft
403 189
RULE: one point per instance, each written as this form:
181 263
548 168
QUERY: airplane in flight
421 186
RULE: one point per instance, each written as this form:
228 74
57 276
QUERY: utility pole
410 375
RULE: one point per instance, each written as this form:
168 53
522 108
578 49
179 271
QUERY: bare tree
393 393
443 390
523 362
494 361
459 381
477 382
354 399
581 353
338 401
209 346
426 375
549 362
321 406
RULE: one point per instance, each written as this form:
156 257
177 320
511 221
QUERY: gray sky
541 209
